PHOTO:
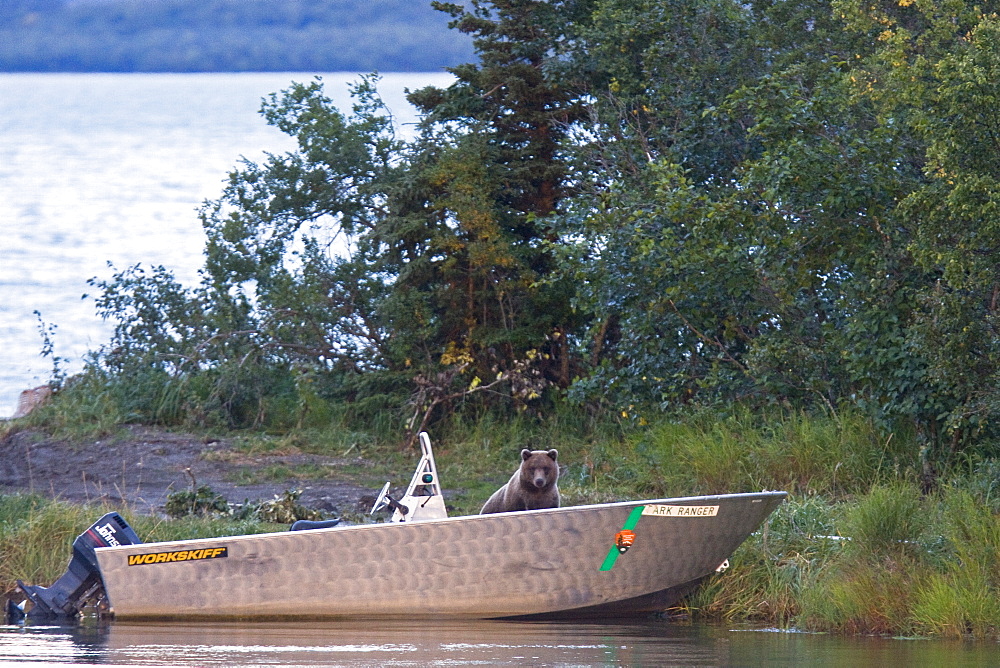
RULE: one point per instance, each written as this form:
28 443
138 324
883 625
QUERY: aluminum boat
602 560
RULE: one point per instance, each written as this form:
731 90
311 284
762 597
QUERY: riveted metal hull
561 562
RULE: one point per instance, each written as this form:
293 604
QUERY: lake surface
496 643
98 168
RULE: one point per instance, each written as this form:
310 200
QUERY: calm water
642 643
98 168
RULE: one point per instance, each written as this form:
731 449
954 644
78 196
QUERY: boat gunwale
683 500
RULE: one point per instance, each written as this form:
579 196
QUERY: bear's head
539 469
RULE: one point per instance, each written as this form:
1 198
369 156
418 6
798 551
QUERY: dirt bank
138 468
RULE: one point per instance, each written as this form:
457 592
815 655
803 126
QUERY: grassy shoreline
859 548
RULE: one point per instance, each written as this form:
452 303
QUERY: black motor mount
82 580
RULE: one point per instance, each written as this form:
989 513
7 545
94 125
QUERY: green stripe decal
630 523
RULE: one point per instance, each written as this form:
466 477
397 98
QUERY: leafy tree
359 255
819 231
274 234
734 227
935 74
692 201
277 308
651 162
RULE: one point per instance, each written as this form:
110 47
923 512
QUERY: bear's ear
553 453
525 454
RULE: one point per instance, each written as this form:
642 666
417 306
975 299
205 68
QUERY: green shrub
200 501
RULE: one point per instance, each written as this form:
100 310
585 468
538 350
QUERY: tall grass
36 535
78 410
903 564
791 451
868 586
857 595
888 521
962 597
35 538
765 578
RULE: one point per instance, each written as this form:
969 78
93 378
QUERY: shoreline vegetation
859 548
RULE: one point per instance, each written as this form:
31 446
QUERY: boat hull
560 562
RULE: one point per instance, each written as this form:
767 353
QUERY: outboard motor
82 580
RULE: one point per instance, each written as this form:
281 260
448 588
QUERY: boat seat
301 525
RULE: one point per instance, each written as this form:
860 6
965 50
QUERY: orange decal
624 540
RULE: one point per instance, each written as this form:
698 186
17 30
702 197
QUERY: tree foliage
645 204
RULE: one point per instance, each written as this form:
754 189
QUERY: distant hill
227 35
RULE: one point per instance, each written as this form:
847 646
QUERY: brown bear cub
532 486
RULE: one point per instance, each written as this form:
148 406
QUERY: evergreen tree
494 169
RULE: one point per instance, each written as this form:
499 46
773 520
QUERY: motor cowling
82 580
